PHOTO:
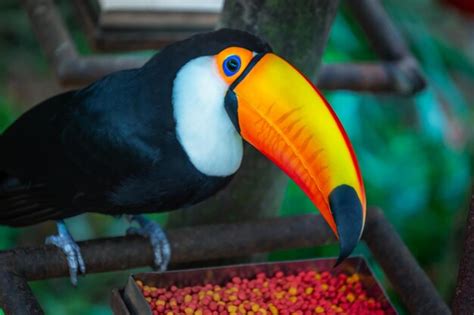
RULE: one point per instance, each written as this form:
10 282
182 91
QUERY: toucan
170 134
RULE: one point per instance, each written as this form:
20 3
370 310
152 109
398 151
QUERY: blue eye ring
231 65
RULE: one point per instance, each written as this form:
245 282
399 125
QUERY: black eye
231 65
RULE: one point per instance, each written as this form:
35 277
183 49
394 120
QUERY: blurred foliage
415 152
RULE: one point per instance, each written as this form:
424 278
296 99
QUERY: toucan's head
230 86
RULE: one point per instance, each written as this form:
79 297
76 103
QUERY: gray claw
66 243
158 240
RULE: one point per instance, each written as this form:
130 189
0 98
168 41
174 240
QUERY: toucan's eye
231 65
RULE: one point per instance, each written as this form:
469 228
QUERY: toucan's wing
26 148
24 203
78 145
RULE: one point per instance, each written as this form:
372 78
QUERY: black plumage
110 147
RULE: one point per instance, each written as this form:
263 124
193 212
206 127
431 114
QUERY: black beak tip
346 209
344 252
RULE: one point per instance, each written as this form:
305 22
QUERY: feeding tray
271 285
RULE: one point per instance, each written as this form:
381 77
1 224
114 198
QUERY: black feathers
206 44
110 147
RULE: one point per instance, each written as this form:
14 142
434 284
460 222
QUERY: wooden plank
159 20
163 5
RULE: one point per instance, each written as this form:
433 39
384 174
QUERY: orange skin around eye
245 57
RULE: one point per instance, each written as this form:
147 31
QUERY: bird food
297 287
305 293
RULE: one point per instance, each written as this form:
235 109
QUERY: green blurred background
415 152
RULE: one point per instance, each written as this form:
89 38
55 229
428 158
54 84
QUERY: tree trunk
297 31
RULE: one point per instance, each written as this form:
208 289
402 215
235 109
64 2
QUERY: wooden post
297 31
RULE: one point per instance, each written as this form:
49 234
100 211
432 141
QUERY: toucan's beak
279 112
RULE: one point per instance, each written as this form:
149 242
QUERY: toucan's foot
66 243
157 237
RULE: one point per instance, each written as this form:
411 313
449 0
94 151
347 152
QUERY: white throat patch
202 125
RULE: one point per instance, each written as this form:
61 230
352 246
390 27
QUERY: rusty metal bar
16 296
463 302
410 281
187 245
381 33
69 66
403 75
400 74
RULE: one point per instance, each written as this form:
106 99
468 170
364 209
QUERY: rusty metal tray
131 301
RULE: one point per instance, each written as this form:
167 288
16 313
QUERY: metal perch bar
70 68
401 69
16 296
464 295
410 281
399 74
218 241
187 245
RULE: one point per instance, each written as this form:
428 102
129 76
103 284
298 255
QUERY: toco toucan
169 134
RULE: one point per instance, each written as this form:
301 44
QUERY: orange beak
279 112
